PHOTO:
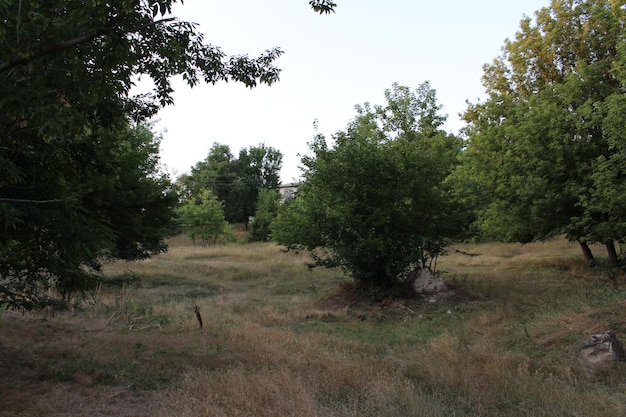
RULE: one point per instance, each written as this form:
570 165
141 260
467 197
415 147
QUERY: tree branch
21 200
61 46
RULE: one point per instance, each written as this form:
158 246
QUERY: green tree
202 218
259 169
535 145
268 203
64 216
236 182
294 226
376 203
67 117
139 205
605 204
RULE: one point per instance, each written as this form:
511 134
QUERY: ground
281 340
25 389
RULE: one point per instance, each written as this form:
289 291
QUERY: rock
427 283
600 351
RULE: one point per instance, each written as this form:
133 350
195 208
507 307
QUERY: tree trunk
587 253
610 248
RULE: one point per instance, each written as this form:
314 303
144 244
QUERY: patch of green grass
195 256
405 334
388 328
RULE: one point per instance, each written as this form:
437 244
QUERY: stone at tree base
428 283
600 351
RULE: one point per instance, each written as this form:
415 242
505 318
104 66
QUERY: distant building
288 190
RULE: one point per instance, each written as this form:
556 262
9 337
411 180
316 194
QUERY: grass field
280 340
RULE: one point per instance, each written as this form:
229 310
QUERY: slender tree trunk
610 248
587 253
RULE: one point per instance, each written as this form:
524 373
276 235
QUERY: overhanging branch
61 46
24 200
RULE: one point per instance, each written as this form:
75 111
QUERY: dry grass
280 340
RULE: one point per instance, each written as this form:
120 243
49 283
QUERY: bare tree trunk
610 248
587 253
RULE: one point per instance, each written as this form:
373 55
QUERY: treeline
222 190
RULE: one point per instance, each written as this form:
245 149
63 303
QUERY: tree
116 206
605 204
268 204
69 151
236 182
376 203
294 227
259 169
214 173
139 206
203 217
536 144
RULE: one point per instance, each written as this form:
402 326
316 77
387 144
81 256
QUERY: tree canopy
268 204
79 174
236 182
75 204
202 217
375 203
539 146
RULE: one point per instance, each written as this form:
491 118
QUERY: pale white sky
331 63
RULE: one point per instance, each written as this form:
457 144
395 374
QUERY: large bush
376 203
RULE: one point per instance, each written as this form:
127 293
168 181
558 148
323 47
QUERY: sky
330 64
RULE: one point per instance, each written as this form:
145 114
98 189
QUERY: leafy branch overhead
323 6
125 38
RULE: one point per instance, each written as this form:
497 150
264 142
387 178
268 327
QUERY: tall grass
280 340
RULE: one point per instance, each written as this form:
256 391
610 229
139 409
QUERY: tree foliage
235 182
268 204
323 6
539 145
376 202
293 225
79 176
202 217
63 215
